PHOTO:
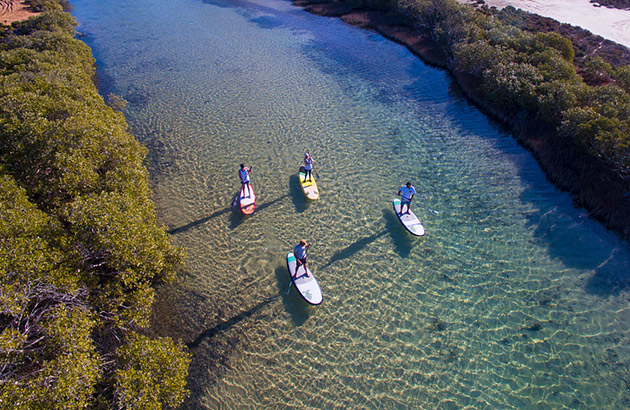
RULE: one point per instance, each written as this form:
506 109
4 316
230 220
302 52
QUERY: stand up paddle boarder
243 174
300 257
308 166
406 195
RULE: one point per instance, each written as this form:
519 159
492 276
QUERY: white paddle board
307 286
409 220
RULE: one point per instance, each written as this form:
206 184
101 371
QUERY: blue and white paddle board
409 220
307 286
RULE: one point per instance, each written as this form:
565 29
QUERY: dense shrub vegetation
80 248
533 74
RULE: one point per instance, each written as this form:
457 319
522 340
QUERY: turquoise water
513 300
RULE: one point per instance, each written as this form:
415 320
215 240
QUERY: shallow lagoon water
514 299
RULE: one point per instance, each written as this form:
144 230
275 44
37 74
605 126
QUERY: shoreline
590 183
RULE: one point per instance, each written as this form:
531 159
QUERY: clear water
513 300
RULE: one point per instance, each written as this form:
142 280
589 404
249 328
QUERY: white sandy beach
611 24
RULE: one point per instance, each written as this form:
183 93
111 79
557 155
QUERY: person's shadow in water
236 217
354 248
300 201
402 239
219 335
228 324
293 303
198 222
214 346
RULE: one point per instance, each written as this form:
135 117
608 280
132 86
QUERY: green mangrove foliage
141 358
520 72
80 248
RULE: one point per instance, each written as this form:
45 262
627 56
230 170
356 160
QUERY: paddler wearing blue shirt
406 195
243 174
300 256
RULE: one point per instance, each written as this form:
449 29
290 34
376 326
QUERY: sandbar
611 24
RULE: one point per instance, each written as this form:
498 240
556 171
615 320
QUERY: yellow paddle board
309 187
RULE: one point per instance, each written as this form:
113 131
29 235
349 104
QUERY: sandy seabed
612 24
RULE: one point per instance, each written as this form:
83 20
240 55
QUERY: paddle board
409 220
247 199
307 286
308 187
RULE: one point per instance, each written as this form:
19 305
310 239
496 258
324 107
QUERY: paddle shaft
314 171
430 210
426 207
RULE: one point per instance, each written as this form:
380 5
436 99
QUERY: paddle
424 206
431 210
427 208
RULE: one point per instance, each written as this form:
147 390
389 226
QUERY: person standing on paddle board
243 174
308 166
300 256
406 195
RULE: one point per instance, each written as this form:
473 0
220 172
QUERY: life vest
244 174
